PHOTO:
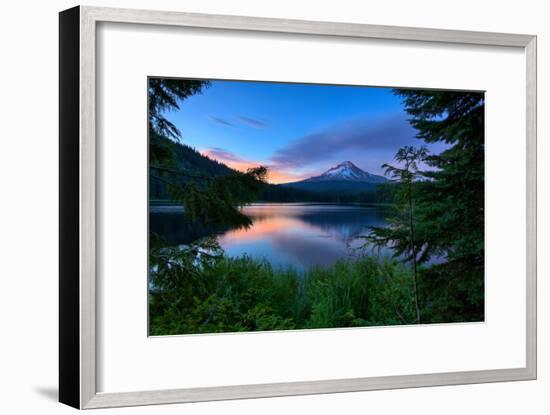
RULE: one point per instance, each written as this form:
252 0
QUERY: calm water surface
286 234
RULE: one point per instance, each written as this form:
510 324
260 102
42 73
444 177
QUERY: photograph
290 206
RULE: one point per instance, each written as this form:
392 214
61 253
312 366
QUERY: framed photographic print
256 207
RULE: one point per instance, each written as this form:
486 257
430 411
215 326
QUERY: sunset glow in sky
295 130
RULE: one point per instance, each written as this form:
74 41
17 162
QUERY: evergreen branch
181 173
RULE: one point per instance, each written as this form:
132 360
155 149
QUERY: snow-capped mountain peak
347 171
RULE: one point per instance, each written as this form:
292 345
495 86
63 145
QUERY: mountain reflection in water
300 235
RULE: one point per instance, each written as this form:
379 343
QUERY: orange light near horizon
274 175
277 176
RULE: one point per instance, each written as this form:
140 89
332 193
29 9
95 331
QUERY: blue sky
296 130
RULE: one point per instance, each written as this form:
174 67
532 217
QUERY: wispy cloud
229 159
347 140
222 155
222 121
275 175
253 122
241 120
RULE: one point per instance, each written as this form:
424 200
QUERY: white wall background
28 212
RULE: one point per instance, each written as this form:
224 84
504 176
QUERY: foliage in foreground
199 290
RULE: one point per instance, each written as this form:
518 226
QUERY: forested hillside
177 158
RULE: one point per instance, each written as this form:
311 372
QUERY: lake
300 235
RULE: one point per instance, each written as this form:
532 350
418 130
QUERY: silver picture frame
77 279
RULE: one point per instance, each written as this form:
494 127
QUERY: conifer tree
445 216
452 199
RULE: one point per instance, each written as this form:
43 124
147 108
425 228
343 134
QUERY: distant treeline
281 193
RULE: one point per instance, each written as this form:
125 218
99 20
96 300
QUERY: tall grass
224 294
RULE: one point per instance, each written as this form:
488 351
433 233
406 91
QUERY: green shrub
195 293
